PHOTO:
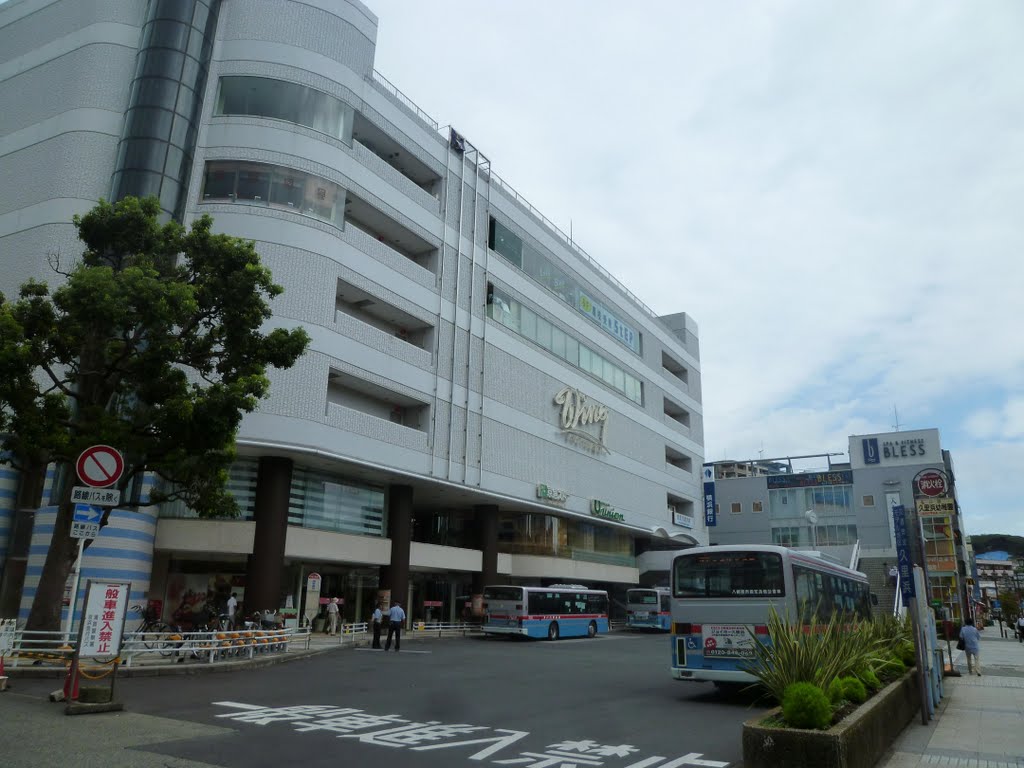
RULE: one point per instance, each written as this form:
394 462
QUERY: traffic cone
71 685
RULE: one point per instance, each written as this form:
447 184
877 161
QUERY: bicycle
153 634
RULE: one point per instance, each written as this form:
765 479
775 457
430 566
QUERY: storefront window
551 536
519 318
331 503
275 186
281 100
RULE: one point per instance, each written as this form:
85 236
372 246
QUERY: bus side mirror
874 599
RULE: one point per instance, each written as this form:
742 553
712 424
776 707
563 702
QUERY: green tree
152 344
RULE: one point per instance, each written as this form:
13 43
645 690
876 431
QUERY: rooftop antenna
760 453
896 416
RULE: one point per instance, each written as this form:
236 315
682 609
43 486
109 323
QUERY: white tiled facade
481 426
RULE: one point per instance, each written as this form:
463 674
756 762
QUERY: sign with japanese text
607 320
903 561
86 521
105 497
709 496
102 625
944 506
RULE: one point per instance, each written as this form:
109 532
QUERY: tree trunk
60 559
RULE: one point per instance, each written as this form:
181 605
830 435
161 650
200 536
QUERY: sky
833 191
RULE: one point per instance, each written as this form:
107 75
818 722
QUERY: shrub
891 668
905 650
836 694
805 705
869 678
853 689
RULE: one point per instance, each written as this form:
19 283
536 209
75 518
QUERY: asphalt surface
608 701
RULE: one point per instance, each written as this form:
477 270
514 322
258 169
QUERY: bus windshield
728 574
503 593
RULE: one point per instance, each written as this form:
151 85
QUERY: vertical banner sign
709 496
102 625
899 522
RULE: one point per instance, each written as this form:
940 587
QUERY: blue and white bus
561 610
722 594
649 608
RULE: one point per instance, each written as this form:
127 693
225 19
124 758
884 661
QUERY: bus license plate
642 614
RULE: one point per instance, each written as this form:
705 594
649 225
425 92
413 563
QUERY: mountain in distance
993 542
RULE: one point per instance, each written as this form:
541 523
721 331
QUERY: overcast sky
832 191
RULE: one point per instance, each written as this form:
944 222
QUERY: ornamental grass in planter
844 661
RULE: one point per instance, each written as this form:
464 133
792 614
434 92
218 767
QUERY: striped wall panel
123 550
8 494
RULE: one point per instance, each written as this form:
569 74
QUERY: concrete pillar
263 576
486 519
395 576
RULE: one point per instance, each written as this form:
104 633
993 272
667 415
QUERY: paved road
442 703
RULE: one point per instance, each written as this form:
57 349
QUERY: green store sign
599 508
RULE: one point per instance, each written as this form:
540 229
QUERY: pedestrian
232 607
332 616
396 618
970 639
894 574
1020 628
378 617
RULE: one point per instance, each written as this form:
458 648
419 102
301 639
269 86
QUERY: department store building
481 401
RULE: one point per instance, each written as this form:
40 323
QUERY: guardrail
163 647
444 629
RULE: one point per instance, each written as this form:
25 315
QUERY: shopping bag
960 644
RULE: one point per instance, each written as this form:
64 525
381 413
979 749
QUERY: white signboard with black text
102 625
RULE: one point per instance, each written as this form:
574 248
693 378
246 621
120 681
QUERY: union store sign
583 420
600 508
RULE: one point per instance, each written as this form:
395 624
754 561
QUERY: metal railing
404 100
444 629
159 647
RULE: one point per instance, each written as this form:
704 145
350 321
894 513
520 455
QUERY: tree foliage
153 344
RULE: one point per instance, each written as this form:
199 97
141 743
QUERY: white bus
561 610
649 608
722 594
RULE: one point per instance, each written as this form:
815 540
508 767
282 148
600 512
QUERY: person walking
232 609
396 618
1020 628
378 617
971 639
332 616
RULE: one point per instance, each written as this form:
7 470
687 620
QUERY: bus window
729 574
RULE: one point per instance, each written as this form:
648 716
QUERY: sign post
98 467
909 592
101 630
312 605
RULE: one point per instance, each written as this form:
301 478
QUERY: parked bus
649 608
722 594
561 610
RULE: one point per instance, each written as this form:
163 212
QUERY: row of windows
790 499
291 102
823 535
276 186
825 500
523 256
566 602
524 321
821 595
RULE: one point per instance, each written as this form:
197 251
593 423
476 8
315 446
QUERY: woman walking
970 639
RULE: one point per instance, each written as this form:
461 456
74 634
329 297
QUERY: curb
165 670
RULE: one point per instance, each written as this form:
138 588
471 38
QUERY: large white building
481 402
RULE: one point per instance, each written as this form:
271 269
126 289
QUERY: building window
757 506
525 257
518 317
868 501
291 102
736 507
273 186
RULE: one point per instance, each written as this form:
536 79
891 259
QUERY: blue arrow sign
88 513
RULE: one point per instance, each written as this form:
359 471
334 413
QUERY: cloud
832 192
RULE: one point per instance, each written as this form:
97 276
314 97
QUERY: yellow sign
938 506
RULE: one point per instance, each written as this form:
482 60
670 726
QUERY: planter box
859 741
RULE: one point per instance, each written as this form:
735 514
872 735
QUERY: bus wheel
592 629
552 631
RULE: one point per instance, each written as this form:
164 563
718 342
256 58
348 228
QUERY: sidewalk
980 721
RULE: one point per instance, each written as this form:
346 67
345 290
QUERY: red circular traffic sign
100 466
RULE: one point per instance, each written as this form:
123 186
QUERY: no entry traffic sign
100 466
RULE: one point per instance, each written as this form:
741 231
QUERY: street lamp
812 519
